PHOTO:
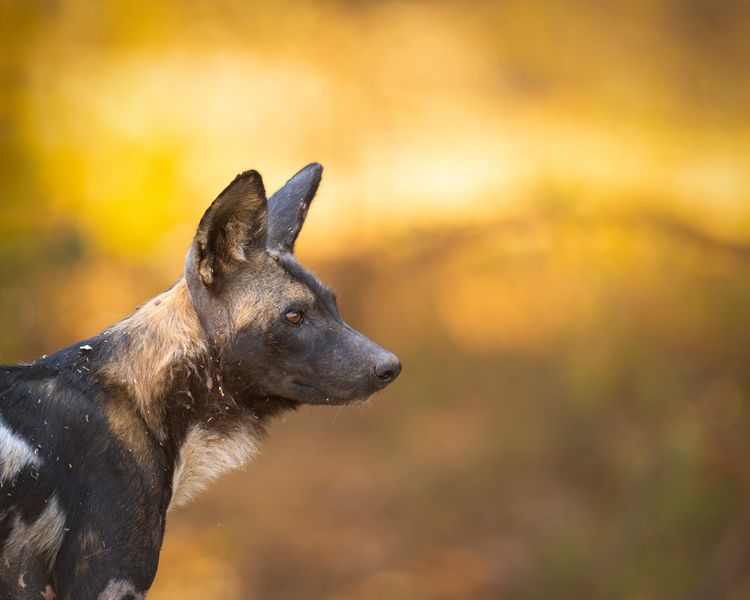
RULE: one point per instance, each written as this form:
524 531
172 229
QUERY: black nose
388 368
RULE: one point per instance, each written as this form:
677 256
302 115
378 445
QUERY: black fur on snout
321 360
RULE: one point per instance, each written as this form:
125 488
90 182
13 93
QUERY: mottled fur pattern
159 337
99 440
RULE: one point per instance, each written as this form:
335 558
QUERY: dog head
275 327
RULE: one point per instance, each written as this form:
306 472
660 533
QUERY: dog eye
294 317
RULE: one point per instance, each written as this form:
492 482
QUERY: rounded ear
288 208
232 228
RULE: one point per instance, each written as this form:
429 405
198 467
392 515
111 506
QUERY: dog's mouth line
323 398
310 390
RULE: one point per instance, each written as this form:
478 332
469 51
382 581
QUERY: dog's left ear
287 208
234 226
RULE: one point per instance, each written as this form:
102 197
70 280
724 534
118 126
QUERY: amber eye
294 317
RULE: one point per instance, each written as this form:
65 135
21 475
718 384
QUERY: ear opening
288 208
234 226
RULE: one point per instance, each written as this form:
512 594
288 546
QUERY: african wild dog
99 440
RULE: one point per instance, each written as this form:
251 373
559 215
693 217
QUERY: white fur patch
119 588
15 454
207 454
40 539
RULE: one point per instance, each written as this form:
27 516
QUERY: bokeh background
542 207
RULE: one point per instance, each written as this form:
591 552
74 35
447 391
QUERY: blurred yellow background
542 207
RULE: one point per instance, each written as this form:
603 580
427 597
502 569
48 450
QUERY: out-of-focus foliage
542 207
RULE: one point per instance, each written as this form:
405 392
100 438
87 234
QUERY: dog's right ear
232 228
288 208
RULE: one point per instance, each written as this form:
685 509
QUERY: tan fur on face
259 305
206 454
164 333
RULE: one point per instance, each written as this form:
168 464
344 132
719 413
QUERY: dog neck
148 349
175 400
